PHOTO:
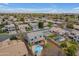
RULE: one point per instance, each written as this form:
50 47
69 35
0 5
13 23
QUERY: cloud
6 3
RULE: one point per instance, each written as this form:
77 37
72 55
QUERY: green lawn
47 45
3 33
52 36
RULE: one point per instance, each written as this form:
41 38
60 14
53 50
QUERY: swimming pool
38 49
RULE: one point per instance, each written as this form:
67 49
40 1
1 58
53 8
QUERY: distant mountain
26 11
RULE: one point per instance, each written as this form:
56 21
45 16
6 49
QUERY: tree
21 19
1 26
28 29
74 42
70 25
47 45
70 47
63 44
52 36
1 31
49 24
13 38
40 25
71 50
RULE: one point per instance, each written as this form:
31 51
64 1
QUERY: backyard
52 49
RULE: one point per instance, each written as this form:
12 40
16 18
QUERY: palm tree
63 44
71 50
69 47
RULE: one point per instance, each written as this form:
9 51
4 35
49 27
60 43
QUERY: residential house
45 24
58 30
10 29
18 22
35 36
0 21
76 27
34 26
74 34
11 17
22 27
14 19
46 32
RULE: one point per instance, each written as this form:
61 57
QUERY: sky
39 7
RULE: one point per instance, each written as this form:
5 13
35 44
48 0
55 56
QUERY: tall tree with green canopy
70 25
63 44
50 24
40 25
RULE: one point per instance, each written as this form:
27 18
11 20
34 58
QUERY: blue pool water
38 49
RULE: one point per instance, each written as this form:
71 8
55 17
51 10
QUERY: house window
31 39
49 31
32 42
43 36
74 36
35 37
40 36
24 55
